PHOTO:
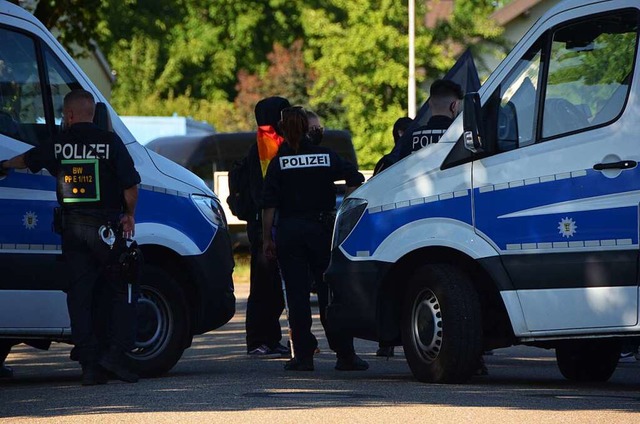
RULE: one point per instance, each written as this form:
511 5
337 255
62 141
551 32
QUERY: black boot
114 362
299 364
351 363
92 374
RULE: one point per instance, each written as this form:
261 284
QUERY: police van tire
163 326
441 327
588 360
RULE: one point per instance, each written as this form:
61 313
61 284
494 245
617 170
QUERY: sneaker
114 363
351 363
627 357
5 371
387 351
263 351
93 374
281 350
299 364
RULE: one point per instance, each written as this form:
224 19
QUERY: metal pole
412 63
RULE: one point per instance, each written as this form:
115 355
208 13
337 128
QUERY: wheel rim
426 321
155 324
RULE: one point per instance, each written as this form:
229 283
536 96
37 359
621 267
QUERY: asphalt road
216 382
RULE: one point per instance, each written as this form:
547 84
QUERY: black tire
163 324
441 325
588 360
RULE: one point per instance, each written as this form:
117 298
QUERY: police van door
32 85
559 196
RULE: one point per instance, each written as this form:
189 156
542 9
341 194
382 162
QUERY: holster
131 262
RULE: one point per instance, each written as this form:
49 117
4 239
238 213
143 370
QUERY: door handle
623 164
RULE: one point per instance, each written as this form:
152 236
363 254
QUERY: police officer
399 127
444 102
300 185
97 185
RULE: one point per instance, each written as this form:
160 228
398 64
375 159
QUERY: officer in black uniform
444 102
97 185
300 185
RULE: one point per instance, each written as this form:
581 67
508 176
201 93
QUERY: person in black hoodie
266 302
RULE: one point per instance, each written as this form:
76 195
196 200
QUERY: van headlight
348 216
211 209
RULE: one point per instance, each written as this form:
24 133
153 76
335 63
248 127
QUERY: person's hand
128 226
269 249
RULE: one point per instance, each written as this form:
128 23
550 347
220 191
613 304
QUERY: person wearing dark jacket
399 127
300 185
444 101
266 302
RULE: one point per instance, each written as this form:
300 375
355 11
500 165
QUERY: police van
520 226
186 286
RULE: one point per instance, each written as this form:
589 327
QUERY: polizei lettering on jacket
305 161
81 151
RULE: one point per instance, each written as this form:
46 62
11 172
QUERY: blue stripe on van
616 221
374 228
612 222
174 211
177 212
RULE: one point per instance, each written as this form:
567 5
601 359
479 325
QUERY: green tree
359 52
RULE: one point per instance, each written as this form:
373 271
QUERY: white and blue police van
186 286
520 226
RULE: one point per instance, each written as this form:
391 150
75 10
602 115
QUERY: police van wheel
588 360
163 323
441 328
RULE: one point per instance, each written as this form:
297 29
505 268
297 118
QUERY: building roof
511 11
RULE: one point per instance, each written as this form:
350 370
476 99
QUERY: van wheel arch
497 328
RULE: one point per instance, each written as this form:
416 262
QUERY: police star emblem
567 227
30 220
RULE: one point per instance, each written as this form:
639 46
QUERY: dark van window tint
21 103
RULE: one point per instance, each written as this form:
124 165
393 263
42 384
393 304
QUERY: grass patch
242 269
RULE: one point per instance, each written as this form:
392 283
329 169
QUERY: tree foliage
346 59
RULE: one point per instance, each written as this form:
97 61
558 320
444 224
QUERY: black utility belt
94 217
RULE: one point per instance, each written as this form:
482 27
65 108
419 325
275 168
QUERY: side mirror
101 117
472 124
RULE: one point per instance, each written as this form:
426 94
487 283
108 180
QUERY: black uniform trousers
303 247
101 316
266 302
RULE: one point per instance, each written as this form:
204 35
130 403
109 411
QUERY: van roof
8 8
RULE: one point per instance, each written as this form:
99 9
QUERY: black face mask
315 135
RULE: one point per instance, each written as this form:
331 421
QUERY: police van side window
590 67
21 100
518 102
60 82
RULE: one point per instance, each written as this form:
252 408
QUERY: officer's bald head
79 106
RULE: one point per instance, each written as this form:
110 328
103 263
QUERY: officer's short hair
78 94
445 88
